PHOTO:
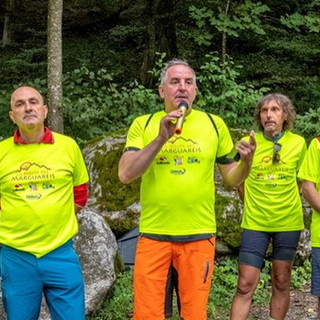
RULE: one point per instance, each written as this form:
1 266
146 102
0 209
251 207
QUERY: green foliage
308 123
244 17
276 42
22 64
225 281
159 64
298 22
92 100
262 293
119 303
220 93
301 275
7 126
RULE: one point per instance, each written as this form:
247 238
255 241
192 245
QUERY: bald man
43 184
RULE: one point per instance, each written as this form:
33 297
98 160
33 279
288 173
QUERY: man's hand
134 163
246 149
167 124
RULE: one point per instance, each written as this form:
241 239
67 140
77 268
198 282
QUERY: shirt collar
47 137
276 137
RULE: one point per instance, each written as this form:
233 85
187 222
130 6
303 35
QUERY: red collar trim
47 138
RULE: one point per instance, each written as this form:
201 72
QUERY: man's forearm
234 173
311 194
134 163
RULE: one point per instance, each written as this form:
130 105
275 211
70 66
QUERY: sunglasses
276 156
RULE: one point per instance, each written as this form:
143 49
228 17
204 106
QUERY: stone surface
97 247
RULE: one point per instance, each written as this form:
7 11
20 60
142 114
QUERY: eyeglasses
276 156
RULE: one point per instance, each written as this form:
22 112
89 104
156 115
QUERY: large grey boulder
97 247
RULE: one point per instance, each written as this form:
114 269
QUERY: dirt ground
302 307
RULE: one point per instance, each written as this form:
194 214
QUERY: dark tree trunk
7 32
55 98
162 36
224 37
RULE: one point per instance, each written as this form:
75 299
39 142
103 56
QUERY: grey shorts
254 245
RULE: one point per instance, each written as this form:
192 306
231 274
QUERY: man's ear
11 116
46 110
160 90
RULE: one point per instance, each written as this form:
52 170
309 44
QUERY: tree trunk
224 37
7 33
162 36
55 98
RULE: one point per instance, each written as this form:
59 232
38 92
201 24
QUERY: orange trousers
194 263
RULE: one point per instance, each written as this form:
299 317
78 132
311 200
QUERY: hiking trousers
56 275
193 262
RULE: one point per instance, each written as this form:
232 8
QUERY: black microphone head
183 104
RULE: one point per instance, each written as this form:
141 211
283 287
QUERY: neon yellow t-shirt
310 170
178 191
271 196
36 188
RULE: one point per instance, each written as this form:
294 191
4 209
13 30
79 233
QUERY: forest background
113 51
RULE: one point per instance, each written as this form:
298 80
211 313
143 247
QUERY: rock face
97 247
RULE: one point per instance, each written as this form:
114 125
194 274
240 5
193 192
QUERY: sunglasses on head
276 156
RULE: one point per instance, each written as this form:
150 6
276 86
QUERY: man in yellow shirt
177 224
272 207
310 173
43 183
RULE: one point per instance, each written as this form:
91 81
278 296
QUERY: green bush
308 124
94 102
119 304
220 93
7 126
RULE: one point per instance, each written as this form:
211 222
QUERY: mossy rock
107 194
228 216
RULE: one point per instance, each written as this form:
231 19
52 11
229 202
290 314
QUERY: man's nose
269 113
182 85
28 106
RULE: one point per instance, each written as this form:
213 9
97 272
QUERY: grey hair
171 63
284 102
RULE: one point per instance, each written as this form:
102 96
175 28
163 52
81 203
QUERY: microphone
183 106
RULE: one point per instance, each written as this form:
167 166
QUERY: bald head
27 108
24 92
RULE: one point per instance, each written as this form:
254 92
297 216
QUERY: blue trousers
57 276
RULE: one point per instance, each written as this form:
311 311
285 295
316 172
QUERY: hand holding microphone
183 106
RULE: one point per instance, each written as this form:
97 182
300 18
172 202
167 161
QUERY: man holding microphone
176 161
